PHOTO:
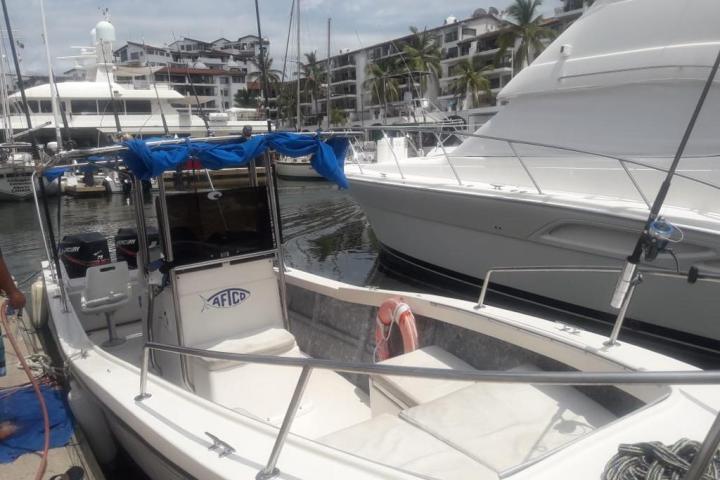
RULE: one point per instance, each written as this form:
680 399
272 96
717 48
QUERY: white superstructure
90 114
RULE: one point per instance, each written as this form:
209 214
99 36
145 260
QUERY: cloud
356 23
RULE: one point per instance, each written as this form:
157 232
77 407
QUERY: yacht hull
472 233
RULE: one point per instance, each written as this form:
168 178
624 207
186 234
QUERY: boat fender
90 417
394 311
38 304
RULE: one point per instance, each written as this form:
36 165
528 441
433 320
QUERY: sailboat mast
327 102
297 67
7 120
264 72
51 80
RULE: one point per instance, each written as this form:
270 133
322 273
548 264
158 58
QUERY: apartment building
208 73
474 38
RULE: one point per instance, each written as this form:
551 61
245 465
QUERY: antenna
263 68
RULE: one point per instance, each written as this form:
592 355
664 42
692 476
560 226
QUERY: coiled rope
656 461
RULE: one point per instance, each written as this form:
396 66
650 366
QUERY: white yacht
91 117
216 365
565 173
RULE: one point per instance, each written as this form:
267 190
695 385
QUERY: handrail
657 272
699 377
511 141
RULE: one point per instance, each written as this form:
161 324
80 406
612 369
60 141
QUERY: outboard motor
83 250
126 244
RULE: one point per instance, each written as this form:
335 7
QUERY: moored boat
208 361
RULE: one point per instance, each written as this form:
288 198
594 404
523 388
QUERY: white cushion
388 440
267 341
411 391
504 425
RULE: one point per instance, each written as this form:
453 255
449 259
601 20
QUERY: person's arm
7 284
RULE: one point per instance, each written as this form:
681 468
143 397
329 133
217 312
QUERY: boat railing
620 318
574 378
443 134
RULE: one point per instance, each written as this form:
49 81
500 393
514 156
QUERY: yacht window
138 106
45 106
105 107
202 229
83 107
32 104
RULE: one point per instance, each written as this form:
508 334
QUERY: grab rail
307 364
620 318
511 142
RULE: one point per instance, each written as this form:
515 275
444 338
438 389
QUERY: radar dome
450 20
493 11
104 31
479 12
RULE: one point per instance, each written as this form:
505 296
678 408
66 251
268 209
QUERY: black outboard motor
126 244
83 250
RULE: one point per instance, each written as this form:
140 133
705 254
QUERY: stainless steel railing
270 470
513 142
620 318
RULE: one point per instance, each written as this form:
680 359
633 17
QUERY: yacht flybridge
204 357
565 174
85 107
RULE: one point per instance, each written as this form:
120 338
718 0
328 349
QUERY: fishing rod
655 234
118 128
157 94
189 79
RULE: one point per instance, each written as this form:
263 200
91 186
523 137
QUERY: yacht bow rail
512 143
307 364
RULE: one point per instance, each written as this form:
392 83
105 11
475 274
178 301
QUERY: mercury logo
228 298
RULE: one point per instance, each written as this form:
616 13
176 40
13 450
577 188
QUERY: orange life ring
394 311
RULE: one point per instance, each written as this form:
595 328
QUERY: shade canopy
148 161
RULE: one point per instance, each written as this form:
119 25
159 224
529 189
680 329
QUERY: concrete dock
77 452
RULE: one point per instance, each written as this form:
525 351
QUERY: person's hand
16 299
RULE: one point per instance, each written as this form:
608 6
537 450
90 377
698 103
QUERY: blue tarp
22 409
327 157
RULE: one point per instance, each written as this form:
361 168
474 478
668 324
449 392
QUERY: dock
77 452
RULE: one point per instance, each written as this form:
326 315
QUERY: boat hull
297 170
470 234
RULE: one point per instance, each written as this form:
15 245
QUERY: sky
356 23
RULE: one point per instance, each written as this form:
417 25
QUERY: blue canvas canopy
146 162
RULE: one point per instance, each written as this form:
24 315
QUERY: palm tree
338 117
527 28
246 98
273 75
382 82
423 55
286 101
470 84
314 77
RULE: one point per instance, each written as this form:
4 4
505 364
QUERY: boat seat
504 425
107 289
391 394
391 441
265 341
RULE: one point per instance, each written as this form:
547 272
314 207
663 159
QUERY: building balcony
343 67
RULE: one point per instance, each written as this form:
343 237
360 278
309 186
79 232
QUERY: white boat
89 113
221 366
565 173
297 169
